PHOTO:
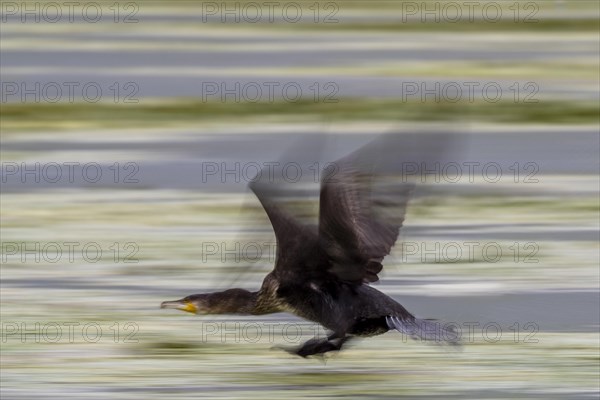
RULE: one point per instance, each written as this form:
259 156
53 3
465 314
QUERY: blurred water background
129 132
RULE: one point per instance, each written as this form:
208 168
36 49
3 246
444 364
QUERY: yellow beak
180 305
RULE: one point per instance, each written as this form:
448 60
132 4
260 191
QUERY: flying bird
324 273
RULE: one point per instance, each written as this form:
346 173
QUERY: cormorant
323 273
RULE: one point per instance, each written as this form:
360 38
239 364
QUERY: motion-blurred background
130 130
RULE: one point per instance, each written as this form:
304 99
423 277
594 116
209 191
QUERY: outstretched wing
295 240
363 202
361 212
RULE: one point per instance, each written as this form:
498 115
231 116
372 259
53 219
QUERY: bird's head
232 301
195 304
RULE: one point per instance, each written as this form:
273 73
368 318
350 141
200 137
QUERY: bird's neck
233 301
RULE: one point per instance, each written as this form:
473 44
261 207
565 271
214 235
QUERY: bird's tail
425 329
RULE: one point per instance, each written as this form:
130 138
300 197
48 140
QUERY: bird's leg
321 346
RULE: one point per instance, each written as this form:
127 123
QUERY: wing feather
361 213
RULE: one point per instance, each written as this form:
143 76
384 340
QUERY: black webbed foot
318 346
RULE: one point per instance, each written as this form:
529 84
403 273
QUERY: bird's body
339 307
323 273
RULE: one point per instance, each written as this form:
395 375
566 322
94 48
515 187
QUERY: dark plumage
323 274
